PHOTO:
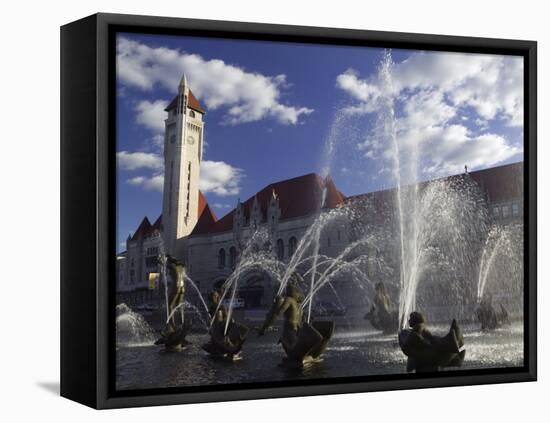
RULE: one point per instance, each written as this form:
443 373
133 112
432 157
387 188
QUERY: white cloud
481 123
220 178
138 160
158 142
491 84
454 146
151 114
152 183
217 177
431 93
361 90
426 108
245 96
221 205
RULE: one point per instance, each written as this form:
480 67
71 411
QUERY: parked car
328 308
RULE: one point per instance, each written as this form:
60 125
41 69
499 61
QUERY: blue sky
275 109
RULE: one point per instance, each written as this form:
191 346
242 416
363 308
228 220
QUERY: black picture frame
88 218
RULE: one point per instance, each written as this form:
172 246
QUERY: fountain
176 329
306 266
186 305
439 223
317 270
429 353
131 328
256 255
501 263
500 274
303 342
439 227
174 333
227 337
432 250
383 315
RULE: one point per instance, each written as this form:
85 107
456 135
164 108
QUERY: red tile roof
206 216
334 198
203 203
145 229
302 195
192 103
206 220
501 183
298 197
158 224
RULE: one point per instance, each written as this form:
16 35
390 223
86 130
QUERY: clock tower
183 143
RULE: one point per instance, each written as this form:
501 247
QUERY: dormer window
191 113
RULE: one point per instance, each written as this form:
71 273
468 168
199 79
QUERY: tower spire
183 82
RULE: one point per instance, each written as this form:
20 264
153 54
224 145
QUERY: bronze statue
173 335
382 315
300 340
427 352
489 318
223 345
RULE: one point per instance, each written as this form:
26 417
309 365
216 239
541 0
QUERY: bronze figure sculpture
174 333
302 341
383 315
224 344
427 352
489 318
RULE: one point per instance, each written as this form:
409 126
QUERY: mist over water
501 267
440 223
131 328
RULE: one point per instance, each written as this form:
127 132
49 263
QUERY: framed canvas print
255 211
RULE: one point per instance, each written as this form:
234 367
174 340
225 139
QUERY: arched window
232 257
280 249
291 246
221 258
191 113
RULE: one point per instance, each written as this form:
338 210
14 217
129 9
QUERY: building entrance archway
257 290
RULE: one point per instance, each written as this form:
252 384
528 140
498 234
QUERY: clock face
190 139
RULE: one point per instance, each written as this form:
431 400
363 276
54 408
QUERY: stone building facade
137 265
285 210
